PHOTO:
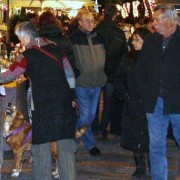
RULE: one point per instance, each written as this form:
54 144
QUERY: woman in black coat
51 28
134 125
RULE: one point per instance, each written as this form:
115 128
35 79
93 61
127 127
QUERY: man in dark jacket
116 47
158 76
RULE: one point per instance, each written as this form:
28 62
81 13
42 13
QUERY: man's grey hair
26 28
168 11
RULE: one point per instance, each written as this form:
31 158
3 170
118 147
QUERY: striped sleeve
15 70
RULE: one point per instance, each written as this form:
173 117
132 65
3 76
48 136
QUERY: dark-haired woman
134 125
51 28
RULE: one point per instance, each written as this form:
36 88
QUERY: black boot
140 164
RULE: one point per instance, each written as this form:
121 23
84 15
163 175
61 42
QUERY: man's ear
79 22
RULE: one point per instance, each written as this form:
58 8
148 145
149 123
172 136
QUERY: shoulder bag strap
49 54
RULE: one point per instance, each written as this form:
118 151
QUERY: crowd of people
135 66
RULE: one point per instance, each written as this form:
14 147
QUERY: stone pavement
114 163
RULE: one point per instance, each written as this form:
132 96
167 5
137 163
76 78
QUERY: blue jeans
88 100
158 125
108 90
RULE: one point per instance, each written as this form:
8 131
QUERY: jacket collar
92 33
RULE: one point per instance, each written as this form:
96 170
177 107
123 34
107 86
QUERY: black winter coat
158 71
115 46
53 115
134 134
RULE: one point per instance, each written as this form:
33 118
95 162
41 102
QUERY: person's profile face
137 42
160 22
23 40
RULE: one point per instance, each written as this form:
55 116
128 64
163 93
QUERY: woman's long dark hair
143 33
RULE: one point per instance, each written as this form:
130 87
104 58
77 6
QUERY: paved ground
114 163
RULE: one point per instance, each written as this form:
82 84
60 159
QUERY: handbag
65 65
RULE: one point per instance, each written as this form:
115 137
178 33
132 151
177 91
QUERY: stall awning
48 3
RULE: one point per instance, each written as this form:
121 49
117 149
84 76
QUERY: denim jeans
66 160
88 100
95 126
108 90
158 125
